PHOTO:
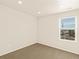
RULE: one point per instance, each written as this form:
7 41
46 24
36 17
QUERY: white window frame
68 28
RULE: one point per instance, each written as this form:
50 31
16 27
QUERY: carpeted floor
38 51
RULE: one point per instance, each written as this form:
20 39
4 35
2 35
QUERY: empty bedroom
39 29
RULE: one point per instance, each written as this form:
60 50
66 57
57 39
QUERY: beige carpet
38 51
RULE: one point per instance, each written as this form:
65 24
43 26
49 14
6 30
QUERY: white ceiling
44 7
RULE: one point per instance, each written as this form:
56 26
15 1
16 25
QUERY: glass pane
67 28
68 23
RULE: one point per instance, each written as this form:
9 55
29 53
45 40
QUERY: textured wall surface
49 32
17 30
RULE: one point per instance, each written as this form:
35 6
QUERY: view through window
68 28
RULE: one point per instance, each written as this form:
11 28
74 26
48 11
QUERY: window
67 28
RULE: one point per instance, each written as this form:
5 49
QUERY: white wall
17 30
49 32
